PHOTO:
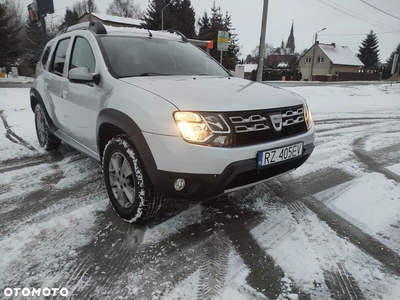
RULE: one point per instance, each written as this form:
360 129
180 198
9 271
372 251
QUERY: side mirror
82 75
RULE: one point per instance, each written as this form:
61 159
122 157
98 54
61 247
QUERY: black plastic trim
125 123
34 92
236 174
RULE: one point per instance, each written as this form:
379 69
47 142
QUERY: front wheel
129 189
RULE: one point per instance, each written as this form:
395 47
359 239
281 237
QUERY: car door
81 105
54 80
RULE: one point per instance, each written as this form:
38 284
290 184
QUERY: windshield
135 56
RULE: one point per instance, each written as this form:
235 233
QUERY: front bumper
238 174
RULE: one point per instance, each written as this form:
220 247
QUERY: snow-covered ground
329 230
20 79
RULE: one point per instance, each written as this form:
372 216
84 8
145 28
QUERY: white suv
164 118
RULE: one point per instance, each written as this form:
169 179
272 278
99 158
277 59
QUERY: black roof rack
94 26
97 27
184 38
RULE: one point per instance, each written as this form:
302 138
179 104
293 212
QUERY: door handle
65 94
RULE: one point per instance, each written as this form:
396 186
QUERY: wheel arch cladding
110 123
37 99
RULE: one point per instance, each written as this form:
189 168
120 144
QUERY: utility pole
262 42
313 53
43 27
90 10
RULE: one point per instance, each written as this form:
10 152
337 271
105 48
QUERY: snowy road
330 230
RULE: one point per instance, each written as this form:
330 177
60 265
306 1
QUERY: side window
82 55
59 57
45 56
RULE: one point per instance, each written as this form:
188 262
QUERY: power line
63 7
354 15
380 10
354 34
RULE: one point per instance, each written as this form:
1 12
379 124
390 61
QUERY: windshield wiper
153 74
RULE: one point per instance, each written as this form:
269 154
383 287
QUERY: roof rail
94 26
97 27
184 38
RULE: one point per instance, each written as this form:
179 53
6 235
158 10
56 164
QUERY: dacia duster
165 120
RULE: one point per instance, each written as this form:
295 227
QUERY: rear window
45 56
135 56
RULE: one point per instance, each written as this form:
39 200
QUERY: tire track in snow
165 264
214 265
64 152
370 163
340 282
293 191
325 121
12 136
45 199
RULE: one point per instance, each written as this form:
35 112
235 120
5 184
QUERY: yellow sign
223 40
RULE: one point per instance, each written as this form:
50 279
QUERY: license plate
277 155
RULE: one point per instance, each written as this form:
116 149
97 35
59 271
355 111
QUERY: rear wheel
47 140
129 189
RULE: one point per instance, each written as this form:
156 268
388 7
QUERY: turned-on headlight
307 116
209 129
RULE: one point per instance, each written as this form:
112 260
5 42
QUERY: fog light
179 184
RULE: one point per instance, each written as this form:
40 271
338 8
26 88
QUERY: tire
46 138
130 191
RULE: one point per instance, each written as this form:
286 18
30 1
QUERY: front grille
252 127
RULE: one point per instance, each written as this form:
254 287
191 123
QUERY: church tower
290 42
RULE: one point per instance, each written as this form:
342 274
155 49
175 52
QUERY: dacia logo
276 121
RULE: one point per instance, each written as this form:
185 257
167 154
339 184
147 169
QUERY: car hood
206 93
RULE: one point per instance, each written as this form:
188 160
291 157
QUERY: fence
347 76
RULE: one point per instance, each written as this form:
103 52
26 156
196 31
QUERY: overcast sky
347 21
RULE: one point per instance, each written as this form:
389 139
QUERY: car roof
100 29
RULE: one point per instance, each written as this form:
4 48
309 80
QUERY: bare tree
53 26
268 50
16 11
82 7
125 8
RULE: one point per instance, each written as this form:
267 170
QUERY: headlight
307 116
208 129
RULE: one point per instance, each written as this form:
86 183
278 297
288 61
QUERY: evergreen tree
209 27
230 58
183 17
178 15
10 36
71 18
204 24
32 43
369 52
152 17
389 63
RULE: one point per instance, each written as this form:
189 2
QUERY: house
329 59
112 20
